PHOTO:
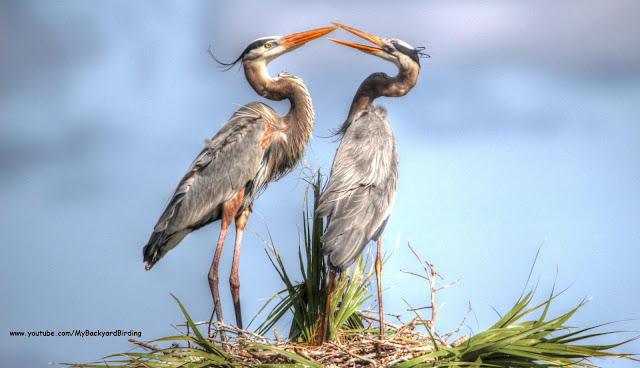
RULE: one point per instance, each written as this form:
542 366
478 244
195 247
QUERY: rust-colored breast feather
267 134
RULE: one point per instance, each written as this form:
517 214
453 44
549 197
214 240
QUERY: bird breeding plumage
361 189
254 147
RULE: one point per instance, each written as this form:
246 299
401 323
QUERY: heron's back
361 189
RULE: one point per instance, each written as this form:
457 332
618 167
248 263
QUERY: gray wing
226 164
361 189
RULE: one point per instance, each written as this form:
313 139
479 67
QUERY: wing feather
228 161
361 189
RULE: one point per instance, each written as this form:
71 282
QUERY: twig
449 284
356 355
377 319
275 333
302 353
409 326
374 312
415 274
144 345
431 274
447 335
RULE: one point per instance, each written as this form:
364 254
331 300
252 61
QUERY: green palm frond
306 299
204 353
526 344
350 293
536 343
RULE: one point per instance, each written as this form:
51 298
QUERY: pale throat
258 77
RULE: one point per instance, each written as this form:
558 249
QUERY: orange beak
298 39
369 37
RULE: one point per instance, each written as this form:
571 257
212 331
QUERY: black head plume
414 53
420 52
222 65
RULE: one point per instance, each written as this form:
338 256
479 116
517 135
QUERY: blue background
523 129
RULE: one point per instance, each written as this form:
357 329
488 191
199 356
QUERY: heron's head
396 51
265 49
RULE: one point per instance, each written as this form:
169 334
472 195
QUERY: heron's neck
297 123
380 84
299 120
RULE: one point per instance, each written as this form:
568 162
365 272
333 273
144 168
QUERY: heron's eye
387 48
267 45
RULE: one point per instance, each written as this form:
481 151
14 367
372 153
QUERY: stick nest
349 349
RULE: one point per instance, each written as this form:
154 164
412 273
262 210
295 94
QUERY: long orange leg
234 279
229 210
213 275
378 271
325 322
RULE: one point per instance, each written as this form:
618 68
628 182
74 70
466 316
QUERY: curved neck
380 84
283 86
296 125
258 77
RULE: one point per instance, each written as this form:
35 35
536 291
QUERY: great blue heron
256 146
361 190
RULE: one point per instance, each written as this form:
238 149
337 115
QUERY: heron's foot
217 331
238 315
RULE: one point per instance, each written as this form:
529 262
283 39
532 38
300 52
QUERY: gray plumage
255 146
358 198
228 162
234 159
361 189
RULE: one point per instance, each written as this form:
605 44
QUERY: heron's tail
159 244
342 250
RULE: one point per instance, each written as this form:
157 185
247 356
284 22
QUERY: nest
356 349
349 349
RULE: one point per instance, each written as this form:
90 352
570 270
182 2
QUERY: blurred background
523 129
